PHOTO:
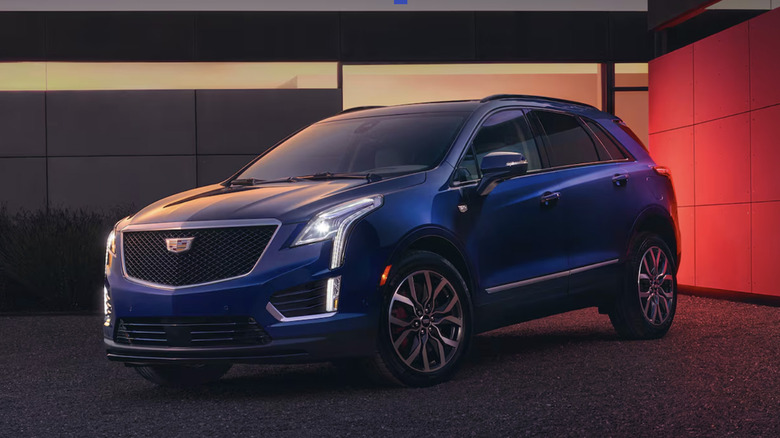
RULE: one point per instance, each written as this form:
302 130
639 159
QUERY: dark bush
53 260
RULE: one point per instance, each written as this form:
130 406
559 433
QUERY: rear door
595 192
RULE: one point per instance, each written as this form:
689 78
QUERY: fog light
332 294
107 308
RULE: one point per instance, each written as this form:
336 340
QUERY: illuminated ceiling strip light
62 76
631 68
471 69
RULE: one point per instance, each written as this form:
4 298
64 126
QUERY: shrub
53 260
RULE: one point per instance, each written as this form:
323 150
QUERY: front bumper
349 332
351 341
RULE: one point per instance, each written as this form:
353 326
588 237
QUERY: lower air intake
190 332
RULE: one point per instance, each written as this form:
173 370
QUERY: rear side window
609 144
569 143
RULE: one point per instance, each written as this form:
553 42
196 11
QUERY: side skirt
586 286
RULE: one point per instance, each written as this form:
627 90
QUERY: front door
517 238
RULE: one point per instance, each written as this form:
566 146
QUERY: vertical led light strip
332 294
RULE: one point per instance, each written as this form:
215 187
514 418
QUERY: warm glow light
631 75
54 76
400 84
633 107
384 275
631 68
472 69
22 76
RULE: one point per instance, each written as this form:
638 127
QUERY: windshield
385 145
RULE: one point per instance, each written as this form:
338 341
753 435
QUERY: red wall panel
766 247
765 59
727 87
671 90
723 247
686 274
721 74
674 149
765 153
722 160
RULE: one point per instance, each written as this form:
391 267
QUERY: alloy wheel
655 284
426 321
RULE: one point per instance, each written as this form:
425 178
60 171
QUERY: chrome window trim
279 317
534 280
166 226
525 109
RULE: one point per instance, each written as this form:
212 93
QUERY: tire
421 342
182 375
646 306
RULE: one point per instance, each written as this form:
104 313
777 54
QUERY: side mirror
500 166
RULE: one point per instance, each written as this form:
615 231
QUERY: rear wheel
645 308
183 375
425 326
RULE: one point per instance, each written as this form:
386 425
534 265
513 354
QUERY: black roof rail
528 96
359 108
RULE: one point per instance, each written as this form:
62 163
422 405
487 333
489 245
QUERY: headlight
110 249
334 223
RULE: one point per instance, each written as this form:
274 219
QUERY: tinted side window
569 142
609 144
507 131
467 171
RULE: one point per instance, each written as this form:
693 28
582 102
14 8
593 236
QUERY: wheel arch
658 221
441 242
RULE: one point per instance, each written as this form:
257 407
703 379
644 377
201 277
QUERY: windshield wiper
255 181
370 177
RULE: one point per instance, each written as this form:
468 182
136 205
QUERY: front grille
190 332
215 254
308 299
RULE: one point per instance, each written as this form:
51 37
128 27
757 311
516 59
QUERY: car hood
288 202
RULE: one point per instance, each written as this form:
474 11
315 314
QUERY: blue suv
390 236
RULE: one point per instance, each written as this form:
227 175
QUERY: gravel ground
715 374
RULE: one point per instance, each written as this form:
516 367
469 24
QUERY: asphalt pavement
717 373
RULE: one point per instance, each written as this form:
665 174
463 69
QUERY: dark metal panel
22 36
543 36
149 122
120 36
22 123
110 182
216 168
23 182
401 36
270 36
250 121
629 39
704 25
665 13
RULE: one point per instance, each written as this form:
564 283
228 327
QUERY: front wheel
425 325
183 375
646 306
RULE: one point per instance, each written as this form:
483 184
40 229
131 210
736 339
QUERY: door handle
550 198
620 179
